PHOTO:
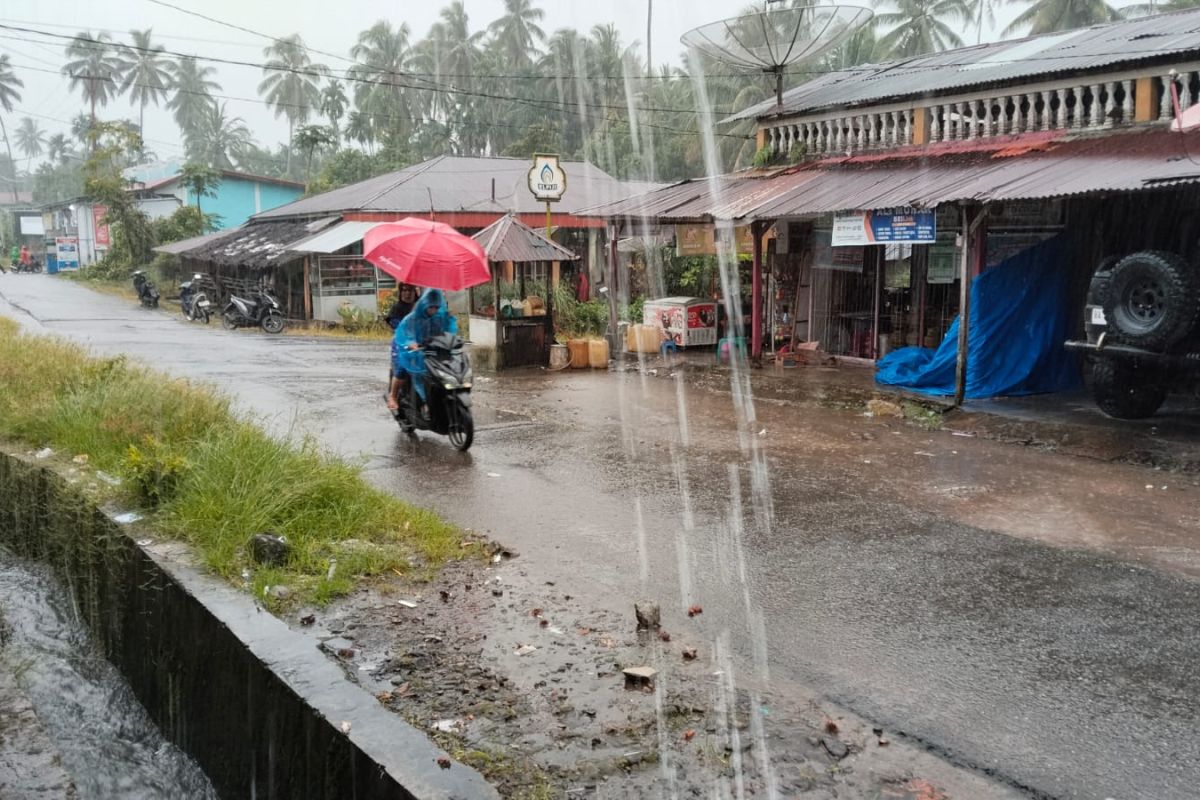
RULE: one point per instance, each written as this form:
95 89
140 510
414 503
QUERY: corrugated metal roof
333 239
175 248
1005 168
257 245
458 183
509 239
1100 47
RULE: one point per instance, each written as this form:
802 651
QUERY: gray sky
326 25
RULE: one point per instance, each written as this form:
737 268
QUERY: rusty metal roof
257 245
1004 168
458 184
509 239
1164 37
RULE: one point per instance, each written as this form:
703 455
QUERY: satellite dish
776 37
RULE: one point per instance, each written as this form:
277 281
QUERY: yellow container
598 353
642 339
580 359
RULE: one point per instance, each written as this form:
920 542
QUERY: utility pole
649 49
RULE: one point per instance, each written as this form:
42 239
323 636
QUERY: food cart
687 321
518 325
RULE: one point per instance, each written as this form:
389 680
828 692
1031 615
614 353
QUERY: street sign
913 225
547 180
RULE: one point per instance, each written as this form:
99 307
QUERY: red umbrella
426 253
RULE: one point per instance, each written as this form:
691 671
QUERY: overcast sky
330 25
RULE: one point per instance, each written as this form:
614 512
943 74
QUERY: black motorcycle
33 266
193 301
147 292
261 309
447 410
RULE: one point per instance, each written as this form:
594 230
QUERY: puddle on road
106 739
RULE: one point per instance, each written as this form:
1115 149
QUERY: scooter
260 310
33 266
447 410
195 304
147 292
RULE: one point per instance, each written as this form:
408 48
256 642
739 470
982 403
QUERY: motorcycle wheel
273 323
462 427
229 321
205 314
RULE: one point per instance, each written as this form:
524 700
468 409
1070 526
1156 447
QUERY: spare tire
1153 300
1126 389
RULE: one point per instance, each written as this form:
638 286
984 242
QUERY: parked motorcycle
147 292
448 380
33 266
194 302
261 309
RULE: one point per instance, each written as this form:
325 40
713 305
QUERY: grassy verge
210 477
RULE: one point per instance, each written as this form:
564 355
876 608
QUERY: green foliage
211 477
797 153
184 223
130 229
201 180
765 156
356 319
153 471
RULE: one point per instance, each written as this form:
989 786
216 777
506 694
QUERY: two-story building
892 182
235 199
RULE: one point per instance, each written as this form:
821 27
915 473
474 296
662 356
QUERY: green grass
209 477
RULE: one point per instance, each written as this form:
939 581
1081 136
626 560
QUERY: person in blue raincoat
429 318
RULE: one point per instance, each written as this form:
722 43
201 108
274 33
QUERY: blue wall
236 202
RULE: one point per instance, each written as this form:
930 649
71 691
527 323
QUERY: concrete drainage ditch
261 711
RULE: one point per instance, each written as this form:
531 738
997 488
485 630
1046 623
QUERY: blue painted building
238 197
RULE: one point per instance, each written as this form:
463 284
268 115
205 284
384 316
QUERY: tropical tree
333 105
361 130
201 180
310 138
95 68
517 32
81 126
922 26
383 55
10 86
292 83
1048 16
30 138
58 147
191 99
220 140
1142 9
146 73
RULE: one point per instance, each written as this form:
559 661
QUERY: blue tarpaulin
1020 317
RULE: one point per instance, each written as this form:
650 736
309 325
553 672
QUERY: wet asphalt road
1027 614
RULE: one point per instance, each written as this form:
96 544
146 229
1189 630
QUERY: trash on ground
345 726
407 603
689 654
127 518
45 452
447 725
639 677
82 458
695 610
526 649
648 616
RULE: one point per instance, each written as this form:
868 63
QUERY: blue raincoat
418 328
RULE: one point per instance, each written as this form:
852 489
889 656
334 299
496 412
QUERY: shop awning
1026 167
334 239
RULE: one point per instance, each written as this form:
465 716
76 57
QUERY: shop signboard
547 180
839 259
702 240
67 249
102 238
912 225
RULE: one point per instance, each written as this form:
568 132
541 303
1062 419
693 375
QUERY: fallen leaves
688 735
695 610
664 636
830 725
443 762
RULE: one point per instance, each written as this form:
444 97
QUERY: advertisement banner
102 236
702 240
67 248
856 228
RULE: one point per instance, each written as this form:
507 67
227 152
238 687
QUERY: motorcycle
195 303
262 309
147 292
33 266
448 378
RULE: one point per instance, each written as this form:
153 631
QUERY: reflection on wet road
1026 613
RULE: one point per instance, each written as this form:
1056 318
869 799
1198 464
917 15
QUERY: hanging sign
547 180
914 225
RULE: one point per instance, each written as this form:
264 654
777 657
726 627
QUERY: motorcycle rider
406 298
428 318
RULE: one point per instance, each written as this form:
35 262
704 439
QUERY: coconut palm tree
292 83
383 54
1048 16
10 86
1142 9
147 73
921 26
517 32
333 105
95 68
219 140
57 147
361 130
30 138
192 87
